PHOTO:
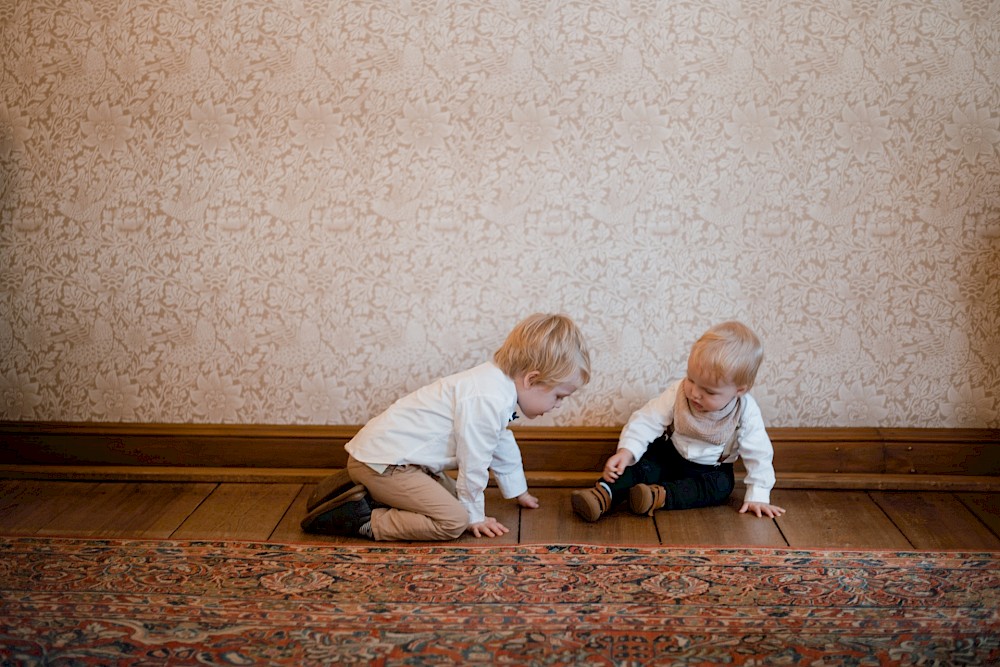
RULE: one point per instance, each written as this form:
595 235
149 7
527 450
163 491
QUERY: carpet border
459 548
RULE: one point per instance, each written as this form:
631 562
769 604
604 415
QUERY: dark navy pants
689 485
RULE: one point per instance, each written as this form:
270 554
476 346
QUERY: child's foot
646 498
329 488
591 504
347 514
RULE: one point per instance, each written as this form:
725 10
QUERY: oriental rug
146 602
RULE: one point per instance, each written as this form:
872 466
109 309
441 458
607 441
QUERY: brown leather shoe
591 504
646 498
329 488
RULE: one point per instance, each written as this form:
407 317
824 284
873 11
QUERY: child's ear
530 378
742 389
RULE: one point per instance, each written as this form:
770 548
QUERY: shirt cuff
756 494
511 484
476 511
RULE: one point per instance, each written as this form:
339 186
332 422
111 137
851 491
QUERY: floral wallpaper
294 211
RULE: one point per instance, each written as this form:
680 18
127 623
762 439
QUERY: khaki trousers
421 505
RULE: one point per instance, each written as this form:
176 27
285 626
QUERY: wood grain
239 512
986 507
717 526
271 512
28 506
935 520
836 519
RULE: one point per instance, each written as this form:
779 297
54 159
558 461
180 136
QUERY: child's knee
453 525
719 494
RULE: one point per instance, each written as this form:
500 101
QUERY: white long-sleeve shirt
459 423
752 442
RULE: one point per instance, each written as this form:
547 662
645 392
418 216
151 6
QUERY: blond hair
729 351
550 344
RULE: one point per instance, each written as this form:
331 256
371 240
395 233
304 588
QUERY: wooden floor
270 512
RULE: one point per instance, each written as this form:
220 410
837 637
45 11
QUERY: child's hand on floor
488 527
527 500
762 509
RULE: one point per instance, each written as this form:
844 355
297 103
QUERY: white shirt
457 422
752 442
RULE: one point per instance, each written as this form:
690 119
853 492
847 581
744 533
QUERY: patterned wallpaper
293 211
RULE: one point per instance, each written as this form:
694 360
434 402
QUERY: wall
292 212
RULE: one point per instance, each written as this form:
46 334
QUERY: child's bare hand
762 509
488 527
616 464
527 500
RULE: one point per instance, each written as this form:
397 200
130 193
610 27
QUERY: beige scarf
716 427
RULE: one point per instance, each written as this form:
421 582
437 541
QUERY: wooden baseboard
901 458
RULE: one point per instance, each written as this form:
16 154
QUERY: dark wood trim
870 458
197 445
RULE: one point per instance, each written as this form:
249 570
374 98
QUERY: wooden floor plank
936 520
28 506
129 509
986 507
272 511
835 519
718 526
555 523
87 514
154 511
18 500
288 531
239 512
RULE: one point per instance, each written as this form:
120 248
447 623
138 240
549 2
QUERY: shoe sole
645 499
583 508
329 488
352 495
640 501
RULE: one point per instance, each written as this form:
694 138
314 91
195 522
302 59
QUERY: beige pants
422 505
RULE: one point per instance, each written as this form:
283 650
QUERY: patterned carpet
115 602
